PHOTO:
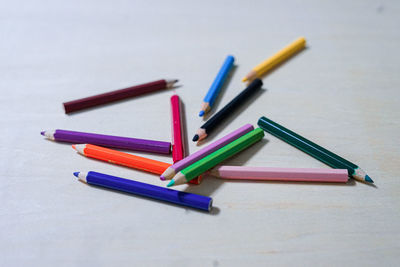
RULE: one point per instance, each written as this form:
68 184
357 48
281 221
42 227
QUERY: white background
341 92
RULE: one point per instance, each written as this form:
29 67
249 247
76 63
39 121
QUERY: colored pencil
281 174
189 160
177 138
134 144
217 157
121 158
145 190
178 148
117 95
216 86
313 149
226 111
276 59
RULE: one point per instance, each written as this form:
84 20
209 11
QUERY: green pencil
216 157
313 149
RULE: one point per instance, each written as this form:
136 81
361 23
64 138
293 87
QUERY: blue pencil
213 92
146 190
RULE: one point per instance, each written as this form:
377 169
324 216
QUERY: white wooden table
341 92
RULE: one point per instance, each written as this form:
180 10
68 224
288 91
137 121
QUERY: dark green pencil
313 149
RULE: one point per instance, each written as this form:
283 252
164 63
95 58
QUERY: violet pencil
128 143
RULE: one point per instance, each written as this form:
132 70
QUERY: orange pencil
121 158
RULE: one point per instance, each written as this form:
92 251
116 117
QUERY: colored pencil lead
76 174
171 183
201 113
195 137
368 179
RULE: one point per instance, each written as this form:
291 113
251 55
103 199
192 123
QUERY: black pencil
215 120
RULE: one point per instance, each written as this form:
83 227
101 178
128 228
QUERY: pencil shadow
213 211
184 130
369 184
207 188
120 101
244 156
286 61
221 93
232 116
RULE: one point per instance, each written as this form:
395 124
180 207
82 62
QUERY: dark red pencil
116 95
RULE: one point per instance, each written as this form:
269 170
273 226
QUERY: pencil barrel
125 159
134 144
222 154
281 56
109 97
229 109
219 80
306 145
150 191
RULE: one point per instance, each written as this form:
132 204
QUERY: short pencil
121 158
178 148
146 190
128 143
275 60
216 86
227 110
109 97
281 174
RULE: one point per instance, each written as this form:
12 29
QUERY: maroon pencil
116 95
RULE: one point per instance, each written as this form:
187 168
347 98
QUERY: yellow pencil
279 57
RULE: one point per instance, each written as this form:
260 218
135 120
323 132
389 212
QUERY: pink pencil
178 148
177 138
281 174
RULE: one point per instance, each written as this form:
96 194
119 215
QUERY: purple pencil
189 160
127 143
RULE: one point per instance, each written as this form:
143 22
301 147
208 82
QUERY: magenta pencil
281 174
177 138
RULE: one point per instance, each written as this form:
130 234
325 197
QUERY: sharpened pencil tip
162 178
76 174
195 138
368 179
201 113
244 79
171 183
42 133
74 147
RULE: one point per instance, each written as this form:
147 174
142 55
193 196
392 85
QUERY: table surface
341 92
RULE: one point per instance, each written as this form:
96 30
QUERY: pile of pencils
190 168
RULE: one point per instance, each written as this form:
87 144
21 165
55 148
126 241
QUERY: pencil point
244 79
74 147
162 177
76 174
201 113
42 133
368 179
171 183
195 138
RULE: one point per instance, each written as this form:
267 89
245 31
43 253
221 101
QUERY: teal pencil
313 149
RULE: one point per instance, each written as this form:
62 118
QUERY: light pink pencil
281 174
